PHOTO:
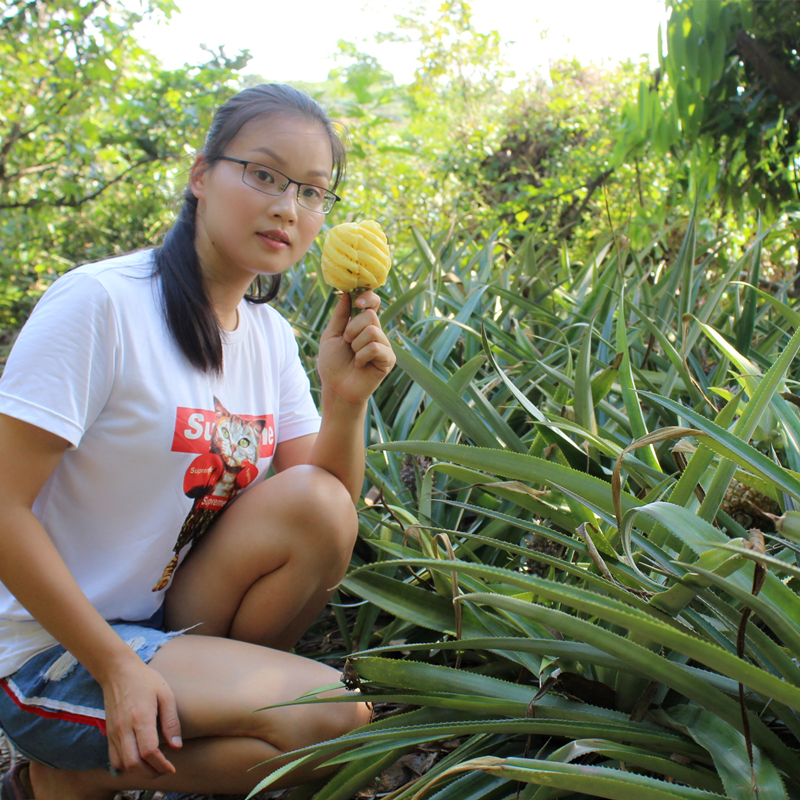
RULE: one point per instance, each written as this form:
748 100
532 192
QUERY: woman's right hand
139 704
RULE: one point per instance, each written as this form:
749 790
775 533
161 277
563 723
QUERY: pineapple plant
576 629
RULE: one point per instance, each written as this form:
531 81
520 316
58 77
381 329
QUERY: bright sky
297 39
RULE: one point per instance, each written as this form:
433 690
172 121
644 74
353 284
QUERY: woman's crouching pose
153 581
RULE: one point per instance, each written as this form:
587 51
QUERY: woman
144 395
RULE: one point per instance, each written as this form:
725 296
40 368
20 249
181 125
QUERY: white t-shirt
157 447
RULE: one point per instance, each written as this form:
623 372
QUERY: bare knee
321 507
347 717
321 723
331 722
291 536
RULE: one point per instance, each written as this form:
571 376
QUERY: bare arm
355 356
337 448
34 572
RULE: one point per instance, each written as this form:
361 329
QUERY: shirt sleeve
298 414
61 369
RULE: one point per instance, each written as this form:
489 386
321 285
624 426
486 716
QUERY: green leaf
396 308
770 612
637 757
384 741
645 625
408 602
733 448
595 492
728 749
747 322
658 668
759 402
431 419
702 538
699 463
571 450
681 271
451 403
435 678
584 404
353 776
593 781
554 648
787 312
475 786
425 251
629 398
672 354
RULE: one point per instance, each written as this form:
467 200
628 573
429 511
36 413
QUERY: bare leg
252 586
218 684
268 566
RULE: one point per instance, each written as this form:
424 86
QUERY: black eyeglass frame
288 180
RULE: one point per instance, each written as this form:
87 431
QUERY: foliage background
590 267
96 136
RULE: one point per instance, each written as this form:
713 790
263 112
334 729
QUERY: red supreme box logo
194 426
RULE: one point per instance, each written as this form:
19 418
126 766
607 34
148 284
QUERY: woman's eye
244 442
313 192
262 176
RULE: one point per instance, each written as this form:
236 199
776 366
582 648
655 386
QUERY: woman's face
242 232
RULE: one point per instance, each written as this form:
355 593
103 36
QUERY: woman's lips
276 240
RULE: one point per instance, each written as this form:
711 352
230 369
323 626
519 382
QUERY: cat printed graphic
214 478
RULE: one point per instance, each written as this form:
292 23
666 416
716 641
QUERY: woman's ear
197 176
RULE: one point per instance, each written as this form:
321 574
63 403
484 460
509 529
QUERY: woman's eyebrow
275 157
269 152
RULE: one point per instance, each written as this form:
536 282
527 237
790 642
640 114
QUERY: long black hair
189 315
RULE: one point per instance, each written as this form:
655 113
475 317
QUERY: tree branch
72 202
11 140
783 83
571 215
21 173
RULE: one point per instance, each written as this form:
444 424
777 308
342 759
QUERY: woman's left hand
354 354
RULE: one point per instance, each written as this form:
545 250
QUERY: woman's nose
284 205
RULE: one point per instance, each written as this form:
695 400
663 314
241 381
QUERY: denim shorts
51 708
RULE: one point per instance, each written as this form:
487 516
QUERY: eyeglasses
270 181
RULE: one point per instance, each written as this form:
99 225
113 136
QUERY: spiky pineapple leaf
520 467
729 751
734 448
612 784
655 629
450 401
